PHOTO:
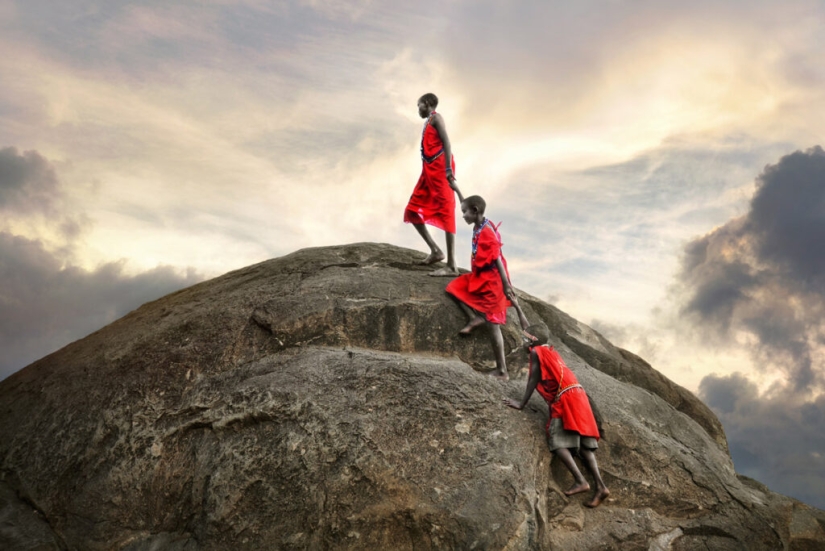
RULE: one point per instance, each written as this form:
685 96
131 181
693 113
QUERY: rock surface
323 400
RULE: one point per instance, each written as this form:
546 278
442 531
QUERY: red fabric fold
432 201
573 406
482 289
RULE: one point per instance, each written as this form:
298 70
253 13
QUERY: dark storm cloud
45 305
720 282
762 274
758 280
788 218
777 440
27 181
29 187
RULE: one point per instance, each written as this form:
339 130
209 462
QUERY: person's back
566 398
432 146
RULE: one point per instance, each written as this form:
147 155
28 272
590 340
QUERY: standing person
483 293
432 201
571 427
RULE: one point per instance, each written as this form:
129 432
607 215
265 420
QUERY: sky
656 167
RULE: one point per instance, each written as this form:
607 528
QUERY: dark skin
436 254
564 454
471 215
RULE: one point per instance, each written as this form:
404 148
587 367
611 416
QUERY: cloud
759 278
45 305
636 72
788 218
777 440
252 103
27 182
32 195
602 238
255 119
634 337
756 283
47 301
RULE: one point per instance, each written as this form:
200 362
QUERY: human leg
436 254
474 320
561 442
579 483
450 237
498 350
451 270
601 492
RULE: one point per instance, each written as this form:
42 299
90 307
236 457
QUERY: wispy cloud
46 300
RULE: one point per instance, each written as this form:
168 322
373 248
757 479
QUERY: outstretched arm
438 124
511 293
532 383
521 317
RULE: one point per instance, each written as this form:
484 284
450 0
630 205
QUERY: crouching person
572 426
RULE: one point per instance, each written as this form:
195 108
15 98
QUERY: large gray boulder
324 400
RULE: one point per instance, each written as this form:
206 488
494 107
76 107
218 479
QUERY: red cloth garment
432 201
482 289
572 406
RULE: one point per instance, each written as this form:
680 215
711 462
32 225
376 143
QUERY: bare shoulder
535 366
437 120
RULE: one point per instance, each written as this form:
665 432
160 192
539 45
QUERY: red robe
432 201
482 289
572 406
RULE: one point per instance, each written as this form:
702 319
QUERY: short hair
429 99
540 331
477 202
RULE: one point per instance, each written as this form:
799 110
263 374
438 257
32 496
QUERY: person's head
535 335
472 209
427 104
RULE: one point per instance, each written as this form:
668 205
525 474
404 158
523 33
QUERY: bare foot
598 497
577 489
432 258
444 272
477 321
499 374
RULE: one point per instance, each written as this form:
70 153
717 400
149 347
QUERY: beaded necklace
476 233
